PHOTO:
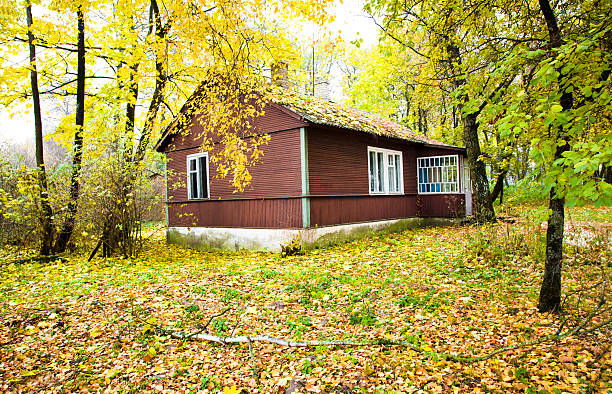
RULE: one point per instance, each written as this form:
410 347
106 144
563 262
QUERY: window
385 171
197 176
438 174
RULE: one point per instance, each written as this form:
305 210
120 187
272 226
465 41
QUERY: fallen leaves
86 326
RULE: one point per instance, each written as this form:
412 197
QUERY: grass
90 326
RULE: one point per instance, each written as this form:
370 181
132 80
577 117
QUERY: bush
292 247
499 244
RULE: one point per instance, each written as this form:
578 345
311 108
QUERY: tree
456 47
46 217
150 61
571 87
68 226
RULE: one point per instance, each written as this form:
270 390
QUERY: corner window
438 174
197 176
385 171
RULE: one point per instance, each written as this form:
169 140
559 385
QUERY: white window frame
386 153
195 157
466 178
439 175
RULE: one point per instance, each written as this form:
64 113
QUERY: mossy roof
323 112
318 111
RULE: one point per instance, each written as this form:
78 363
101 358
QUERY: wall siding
338 165
277 174
274 119
326 211
257 213
441 205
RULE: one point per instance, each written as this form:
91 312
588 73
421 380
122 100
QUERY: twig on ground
213 317
255 367
390 342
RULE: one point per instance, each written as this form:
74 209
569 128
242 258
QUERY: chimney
279 73
322 89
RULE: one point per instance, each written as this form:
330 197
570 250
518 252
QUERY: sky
351 21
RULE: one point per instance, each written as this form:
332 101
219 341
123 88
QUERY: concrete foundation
210 238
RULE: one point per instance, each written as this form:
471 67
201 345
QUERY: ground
79 326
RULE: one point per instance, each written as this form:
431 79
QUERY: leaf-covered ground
79 326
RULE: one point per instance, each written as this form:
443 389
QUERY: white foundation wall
211 238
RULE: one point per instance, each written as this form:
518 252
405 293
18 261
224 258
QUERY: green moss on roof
323 112
318 111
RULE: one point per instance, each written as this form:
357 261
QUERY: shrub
292 247
498 245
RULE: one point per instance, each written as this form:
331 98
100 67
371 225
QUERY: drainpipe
305 180
166 189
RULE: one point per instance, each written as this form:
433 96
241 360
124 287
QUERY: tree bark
68 226
483 205
120 226
550 292
161 32
46 245
498 189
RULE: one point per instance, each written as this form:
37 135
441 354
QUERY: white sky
351 21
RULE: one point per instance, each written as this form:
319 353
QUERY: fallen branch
203 328
373 342
283 342
255 367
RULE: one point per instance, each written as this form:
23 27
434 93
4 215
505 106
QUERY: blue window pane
437 161
438 187
425 177
420 175
427 188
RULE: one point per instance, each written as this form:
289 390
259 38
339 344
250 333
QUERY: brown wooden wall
338 160
338 174
338 165
275 119
277 174
326 211
256 213
441 205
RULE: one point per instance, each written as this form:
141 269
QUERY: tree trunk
498 189
121 224
161 32
68 226
483 205
550 292
46 244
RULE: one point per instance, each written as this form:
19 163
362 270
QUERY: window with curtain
385 171
197 176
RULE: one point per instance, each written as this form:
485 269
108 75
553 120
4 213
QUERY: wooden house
329 172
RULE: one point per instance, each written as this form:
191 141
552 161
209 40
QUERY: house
329 172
